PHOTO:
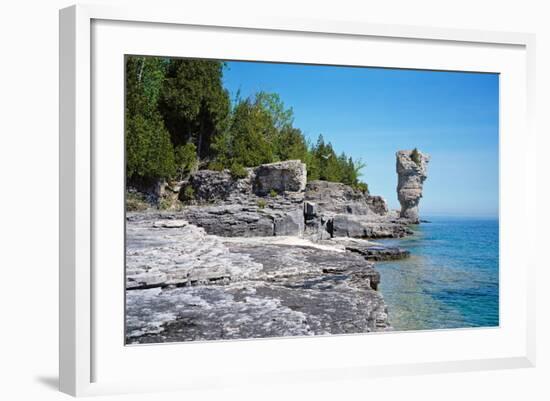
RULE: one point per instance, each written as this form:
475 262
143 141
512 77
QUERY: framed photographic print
278 200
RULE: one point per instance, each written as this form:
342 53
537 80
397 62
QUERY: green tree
149 152
251 135
185 157
291 145
194 103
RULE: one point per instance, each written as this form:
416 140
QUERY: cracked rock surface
183 284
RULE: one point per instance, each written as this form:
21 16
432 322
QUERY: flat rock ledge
184 284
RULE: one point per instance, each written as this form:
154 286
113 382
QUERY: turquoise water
451 278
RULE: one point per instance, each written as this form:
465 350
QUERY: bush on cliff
187 194
415 157
237 171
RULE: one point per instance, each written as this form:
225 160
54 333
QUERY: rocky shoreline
261 256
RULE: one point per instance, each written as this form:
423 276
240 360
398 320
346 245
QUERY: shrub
362 186
415 157
188 194
273 193
186 159
215 166
238 171
135 202
164 204
262 203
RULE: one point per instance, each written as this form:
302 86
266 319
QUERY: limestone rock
345 225
377 252
183 284
286 176
211 186
336 197
231 220
310 210
170 223
377 204
290 223
411 176
159 256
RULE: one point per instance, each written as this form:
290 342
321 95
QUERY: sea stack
411 169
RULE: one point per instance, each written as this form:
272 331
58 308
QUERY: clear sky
370 113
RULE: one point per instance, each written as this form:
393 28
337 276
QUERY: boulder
411 167
286 176
212 186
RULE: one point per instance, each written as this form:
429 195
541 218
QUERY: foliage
262 203
415 157
149 151
250 137
273 193
179 117
164 204
215 166
135 202
185 157
363 187
194 103
188 194
237 171
323 164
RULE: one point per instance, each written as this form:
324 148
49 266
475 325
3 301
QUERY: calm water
451 278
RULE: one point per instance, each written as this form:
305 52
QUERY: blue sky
370 113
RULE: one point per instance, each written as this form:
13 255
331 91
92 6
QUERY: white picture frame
88 358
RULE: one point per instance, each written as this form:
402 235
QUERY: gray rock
170 223
411 176
213 186
186 255
286 176
377 204
345 225
186 285
232 220
290 223
310 210
377 252
335 197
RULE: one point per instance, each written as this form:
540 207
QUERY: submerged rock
411 169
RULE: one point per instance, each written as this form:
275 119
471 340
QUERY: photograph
271 199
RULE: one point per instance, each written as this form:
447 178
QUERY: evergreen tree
194 103
178 114
149 152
